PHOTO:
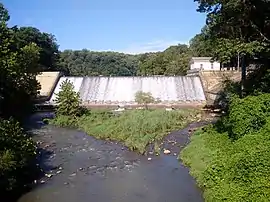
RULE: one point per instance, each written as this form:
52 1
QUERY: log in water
109 90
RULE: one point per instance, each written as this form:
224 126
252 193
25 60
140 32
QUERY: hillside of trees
172 61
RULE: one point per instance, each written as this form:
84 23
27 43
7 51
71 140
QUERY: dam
121 90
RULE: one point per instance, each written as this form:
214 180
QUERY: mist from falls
115 90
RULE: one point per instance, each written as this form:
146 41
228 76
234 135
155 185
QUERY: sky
134 26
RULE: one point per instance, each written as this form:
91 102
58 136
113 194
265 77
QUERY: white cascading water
109 90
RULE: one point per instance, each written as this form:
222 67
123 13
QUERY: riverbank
79 167
230 159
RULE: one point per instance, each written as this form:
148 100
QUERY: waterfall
113 90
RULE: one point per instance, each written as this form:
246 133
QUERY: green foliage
18 88
49 54
228 49
17 150
144 98
135 128
201 46
64 121
173 61
68 101
201 151
246 116
18 70
258 81
237 28
230 160
90 63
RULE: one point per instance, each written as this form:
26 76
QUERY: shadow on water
80 168
35 170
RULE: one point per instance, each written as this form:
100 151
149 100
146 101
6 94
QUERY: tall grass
135 128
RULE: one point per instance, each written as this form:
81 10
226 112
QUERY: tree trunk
238 61
243 77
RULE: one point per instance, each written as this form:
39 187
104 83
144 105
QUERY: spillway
116 90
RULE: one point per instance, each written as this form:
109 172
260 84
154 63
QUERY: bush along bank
135 128
19 66
17 159
231 159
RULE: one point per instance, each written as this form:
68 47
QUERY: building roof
201 58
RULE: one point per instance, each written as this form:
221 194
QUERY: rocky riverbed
80 168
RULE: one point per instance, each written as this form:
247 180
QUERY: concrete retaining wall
213 82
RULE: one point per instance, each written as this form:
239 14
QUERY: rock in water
168 109
48 175
166 151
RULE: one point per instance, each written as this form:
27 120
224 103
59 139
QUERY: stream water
81 168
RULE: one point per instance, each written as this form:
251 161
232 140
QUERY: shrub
17 150
241 173
246 115
144 98
231 160
68 101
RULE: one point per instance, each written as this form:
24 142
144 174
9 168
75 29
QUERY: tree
17 150
173 61
201 46
239 28
245 22
67 100
18 88
49 54
18 70
144 98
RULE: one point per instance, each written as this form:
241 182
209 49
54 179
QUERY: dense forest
173 61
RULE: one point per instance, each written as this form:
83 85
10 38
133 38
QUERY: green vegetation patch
17 152
135 128
234 167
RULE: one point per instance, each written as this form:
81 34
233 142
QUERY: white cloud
154 46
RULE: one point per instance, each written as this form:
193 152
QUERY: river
81 168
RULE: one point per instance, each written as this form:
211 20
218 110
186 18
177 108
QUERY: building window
201 66
212 65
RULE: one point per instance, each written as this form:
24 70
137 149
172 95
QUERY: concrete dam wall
121 90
